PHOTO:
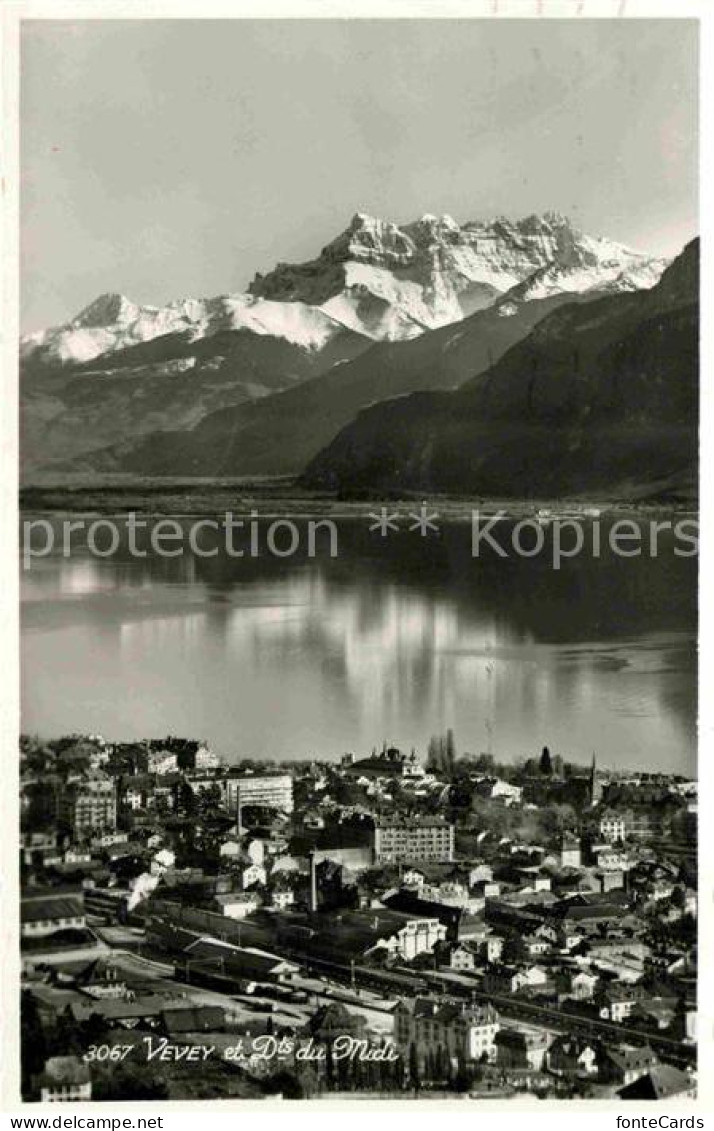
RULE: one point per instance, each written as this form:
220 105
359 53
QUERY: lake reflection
392 640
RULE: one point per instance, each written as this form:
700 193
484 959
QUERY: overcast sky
171 158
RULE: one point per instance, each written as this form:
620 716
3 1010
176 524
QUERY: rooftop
410 822
37 909
447 1013
660 1082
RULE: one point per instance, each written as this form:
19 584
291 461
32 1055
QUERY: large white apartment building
413 840
275 791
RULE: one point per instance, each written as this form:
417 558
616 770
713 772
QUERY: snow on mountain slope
433 271
591 264
120 370
113 322
376 279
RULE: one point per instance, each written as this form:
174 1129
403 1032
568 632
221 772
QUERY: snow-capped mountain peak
382 280
107 309
113 322
433 271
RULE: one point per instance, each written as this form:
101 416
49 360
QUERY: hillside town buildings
490 926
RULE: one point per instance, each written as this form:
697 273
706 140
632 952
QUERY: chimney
313 883
238 812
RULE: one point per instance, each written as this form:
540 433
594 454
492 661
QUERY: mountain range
395 282
261 382
598 397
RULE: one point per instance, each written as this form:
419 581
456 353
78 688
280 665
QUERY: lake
395 639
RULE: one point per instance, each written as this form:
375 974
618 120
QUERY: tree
391 1073
128 1082
555 819
430 1065
126 868
93 1030
33 1048
450 751
434 754
41 798
292 1085
514 948
414 1075
443 1064
463 1079
185 800
330 1066
209 800
358 1073
64 1038
678 897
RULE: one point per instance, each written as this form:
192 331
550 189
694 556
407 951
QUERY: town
385 923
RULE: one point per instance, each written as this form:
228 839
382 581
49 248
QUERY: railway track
558 1019
406 982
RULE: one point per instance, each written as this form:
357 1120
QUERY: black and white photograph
358 553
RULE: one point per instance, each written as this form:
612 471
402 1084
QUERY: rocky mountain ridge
375 279
394 282
119 385
599 396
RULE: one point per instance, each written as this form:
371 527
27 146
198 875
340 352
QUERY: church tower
595 784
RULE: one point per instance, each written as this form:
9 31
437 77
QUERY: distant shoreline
283 498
